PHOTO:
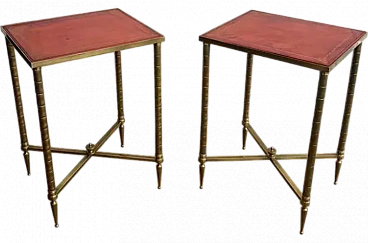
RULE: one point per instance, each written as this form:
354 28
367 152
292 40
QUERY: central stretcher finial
90 148
272 152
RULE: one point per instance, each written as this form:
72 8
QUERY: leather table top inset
291 38
77 34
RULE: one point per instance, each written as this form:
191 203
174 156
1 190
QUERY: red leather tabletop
292 38
75 34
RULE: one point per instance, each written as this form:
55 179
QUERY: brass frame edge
265 54
277 57
21 53
77 56
351 49
102 51
3 30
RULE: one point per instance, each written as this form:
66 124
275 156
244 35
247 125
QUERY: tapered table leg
18 103
52 195
119 90
204 116
305 201
248 83
347 111
158 112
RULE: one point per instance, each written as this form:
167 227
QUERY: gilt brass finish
119 91
270 152
305 201
97 154
248 83
263 157
91 150
158 111
52 194
18 103
203 140
347 111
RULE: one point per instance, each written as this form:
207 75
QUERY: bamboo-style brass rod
287 178
202 158
97 154
347 110
257 138
312 151
74 171
158 112
248 84
108 134
46 141
263 157
18 103
119 92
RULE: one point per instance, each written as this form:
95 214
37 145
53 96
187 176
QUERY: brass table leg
347 111
205 84
52 195
305 201
18 103
119 90
158 112
248 84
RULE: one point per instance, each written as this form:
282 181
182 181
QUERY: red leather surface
294 38
46 39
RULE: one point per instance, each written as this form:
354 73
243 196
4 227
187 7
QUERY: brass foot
55 212
244 139
202 174
122 136
159 172
338 167
304 210
28 162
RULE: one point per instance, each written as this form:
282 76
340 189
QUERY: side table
52 41
304 43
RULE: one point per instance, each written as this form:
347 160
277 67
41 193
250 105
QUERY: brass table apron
92 150
270 152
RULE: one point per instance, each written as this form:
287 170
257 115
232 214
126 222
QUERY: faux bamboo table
62 39
304 43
